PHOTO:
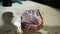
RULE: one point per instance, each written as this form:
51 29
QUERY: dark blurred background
52 3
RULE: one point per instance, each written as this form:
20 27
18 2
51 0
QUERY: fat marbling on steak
31 19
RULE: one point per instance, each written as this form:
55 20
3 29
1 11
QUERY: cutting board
51 16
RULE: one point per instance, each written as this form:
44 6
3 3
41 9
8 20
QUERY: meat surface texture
31 19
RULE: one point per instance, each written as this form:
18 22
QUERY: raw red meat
31 19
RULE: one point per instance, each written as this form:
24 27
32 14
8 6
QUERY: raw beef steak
31 19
